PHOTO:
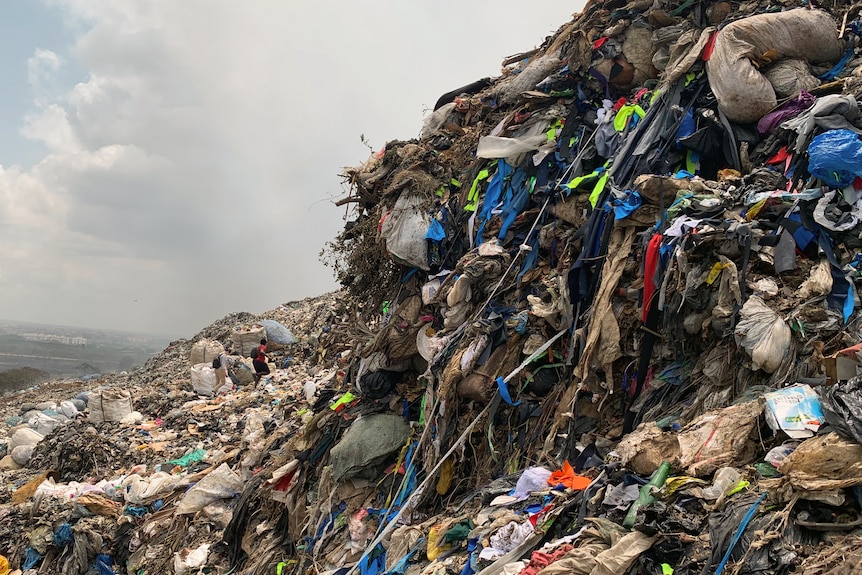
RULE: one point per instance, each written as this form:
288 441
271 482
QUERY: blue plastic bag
835 157
278 333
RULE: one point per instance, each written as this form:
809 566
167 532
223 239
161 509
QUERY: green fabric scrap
459 531
189 458
473 196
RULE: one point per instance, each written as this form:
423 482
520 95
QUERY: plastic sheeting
277 333
368 442
842 407
403 229
823 463
221 483
835 156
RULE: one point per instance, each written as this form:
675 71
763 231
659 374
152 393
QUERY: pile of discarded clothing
600 318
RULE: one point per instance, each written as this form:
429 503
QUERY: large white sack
43 424
204 380
743 93
204 351
110 405
68 409
21 454
277 333
763 334
245 338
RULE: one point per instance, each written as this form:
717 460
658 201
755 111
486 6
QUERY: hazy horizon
157 174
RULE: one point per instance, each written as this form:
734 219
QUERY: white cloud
206 130
41 67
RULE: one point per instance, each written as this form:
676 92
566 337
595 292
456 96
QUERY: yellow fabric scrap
447 472
715 272
752 212
435 536
599 188
674 484
473 196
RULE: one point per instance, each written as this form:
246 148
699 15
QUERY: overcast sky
166 162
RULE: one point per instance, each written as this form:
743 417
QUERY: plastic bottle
725 478
646 497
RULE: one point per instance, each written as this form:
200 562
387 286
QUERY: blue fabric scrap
63 535
504 392
31 558
435 231
104 564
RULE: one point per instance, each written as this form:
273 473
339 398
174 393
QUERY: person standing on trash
224 361
259 362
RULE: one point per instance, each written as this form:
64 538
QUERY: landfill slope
601 317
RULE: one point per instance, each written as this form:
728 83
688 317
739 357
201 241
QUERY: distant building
54 338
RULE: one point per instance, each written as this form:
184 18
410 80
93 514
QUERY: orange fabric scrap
566 476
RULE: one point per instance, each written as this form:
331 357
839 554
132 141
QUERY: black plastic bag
842 407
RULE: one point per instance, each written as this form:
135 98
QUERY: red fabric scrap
599 43
540 560
779 156
566 476
709 47
650 266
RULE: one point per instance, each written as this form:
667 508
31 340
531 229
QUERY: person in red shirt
259 362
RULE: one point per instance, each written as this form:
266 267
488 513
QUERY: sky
168 162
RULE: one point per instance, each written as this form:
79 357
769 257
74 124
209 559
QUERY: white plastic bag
187 560
139 490
221 483
499 147
532 479
763 334
404 229
819 282
725 478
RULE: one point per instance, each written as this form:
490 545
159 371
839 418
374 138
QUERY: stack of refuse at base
600 318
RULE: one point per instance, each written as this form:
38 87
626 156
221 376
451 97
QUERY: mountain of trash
600 318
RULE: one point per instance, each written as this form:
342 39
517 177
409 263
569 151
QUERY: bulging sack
744 94
204 380
245 338
205 350
763 334
110 405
